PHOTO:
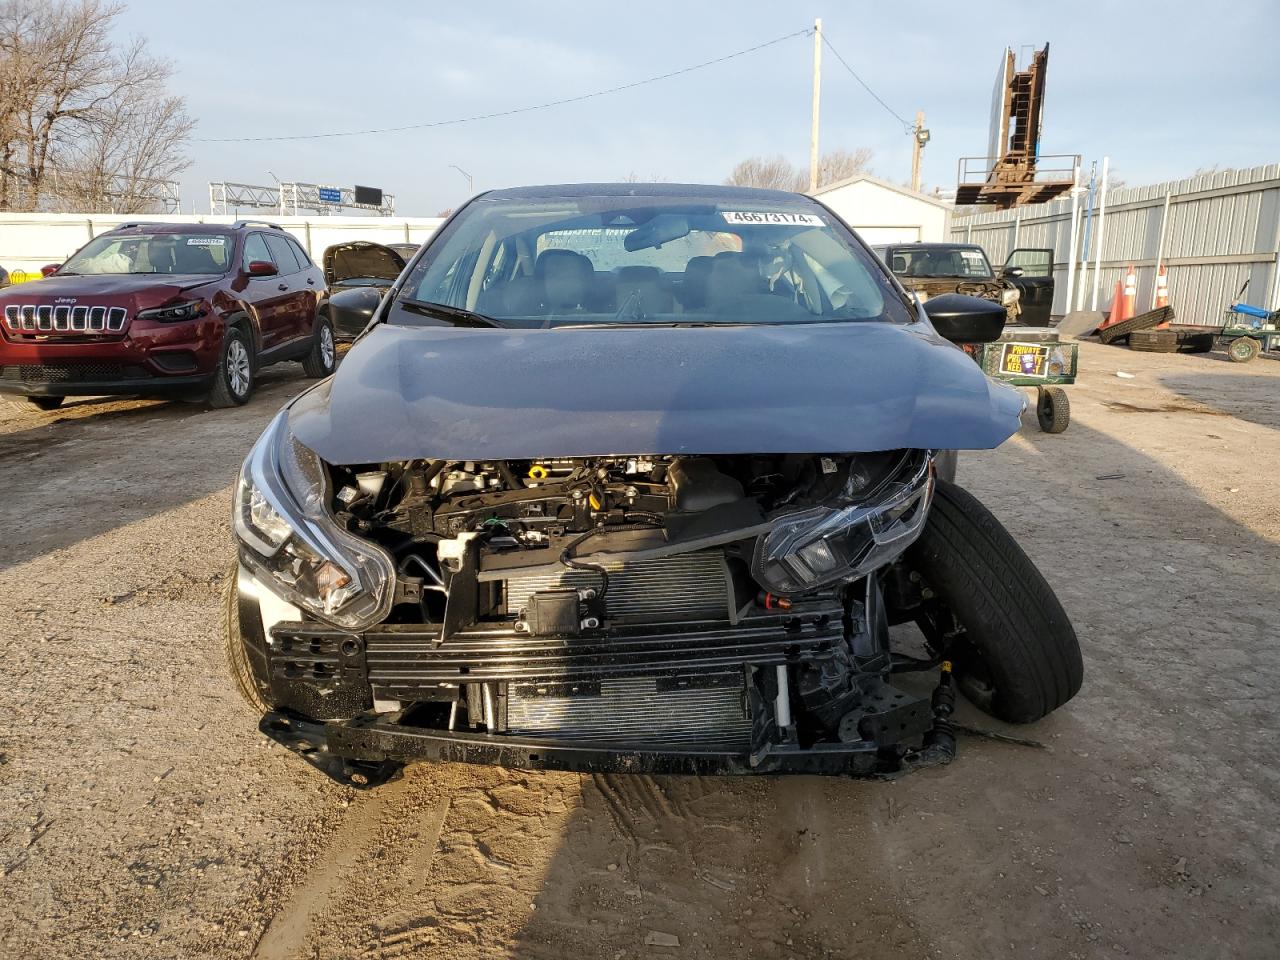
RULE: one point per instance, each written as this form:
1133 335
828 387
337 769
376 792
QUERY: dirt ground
143 816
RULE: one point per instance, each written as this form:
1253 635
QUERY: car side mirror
1012 272
49 269
962 319
261 268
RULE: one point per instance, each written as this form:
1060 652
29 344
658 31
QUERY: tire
1153 341
46 403
1053 409
233 650
1020 659
233 381
323 358
1141 322
1243 349
1195 342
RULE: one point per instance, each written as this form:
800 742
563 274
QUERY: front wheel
323 356
1019 658
46 403
1243 349
233 382
234 652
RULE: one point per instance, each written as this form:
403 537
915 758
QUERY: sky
1164 89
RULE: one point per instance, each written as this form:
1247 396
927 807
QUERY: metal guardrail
1048 169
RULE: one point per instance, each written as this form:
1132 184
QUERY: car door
297 296
264 295
1035 283
311 286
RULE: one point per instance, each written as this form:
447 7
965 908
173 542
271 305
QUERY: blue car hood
498 394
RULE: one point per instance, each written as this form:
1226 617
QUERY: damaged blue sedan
639 478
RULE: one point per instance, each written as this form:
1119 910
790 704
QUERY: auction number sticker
206 241
1024 359
753 217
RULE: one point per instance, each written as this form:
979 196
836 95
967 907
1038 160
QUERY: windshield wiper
456 315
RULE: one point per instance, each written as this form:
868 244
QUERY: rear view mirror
962 319
261 268
49 269
661 229
1012 272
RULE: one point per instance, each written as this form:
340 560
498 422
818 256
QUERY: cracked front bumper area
368 751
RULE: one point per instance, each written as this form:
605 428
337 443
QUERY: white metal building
884 212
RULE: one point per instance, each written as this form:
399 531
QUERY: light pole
471 188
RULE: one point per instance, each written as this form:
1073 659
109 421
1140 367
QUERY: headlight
175 313
292 543
1009 297
826 544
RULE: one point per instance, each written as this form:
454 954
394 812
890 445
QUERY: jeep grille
48 318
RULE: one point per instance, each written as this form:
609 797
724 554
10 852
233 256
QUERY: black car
358 273
638 478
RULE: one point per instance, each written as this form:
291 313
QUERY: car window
304 261
171 253
282 253
255 248
1034 263
940 261
634 258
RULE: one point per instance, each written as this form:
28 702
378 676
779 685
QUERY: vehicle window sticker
770 218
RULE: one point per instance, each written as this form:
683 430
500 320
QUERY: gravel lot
143 816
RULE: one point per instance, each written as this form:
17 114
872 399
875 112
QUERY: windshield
153 253
649 259
939 262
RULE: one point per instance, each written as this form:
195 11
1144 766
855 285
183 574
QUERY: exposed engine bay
734 604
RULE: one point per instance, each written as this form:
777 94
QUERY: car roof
917 245
701 190
160 226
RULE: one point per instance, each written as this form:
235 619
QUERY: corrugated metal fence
1212 232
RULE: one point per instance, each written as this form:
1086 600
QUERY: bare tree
842 164
772 173
778 173
84 121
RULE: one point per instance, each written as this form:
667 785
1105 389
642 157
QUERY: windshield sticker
206 241
755 217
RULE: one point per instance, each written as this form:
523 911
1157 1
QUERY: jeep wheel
233 382
1019 659
323 356
235 656
46 403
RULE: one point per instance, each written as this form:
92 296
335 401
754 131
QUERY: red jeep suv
166 309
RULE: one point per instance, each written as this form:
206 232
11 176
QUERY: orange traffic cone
1116 315
1130 294
1162 294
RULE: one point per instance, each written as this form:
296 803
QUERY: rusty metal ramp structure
1013 172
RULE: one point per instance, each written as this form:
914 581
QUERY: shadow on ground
100 464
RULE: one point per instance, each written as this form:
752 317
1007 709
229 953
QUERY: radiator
687 585
640 711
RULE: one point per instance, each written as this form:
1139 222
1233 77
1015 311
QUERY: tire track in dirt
285 936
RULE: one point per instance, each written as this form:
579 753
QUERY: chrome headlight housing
841 541
290 541
1009 296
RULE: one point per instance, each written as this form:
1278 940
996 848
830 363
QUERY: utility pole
919 137
817 95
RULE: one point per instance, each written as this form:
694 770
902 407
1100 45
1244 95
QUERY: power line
516 110
906 124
